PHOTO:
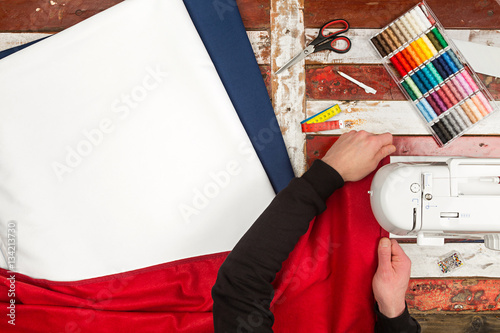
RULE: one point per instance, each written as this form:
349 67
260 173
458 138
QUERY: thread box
433 74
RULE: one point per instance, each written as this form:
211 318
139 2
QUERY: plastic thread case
433 74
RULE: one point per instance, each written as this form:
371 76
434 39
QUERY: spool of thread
450 62
418 83
479 105
444 98
393 36
458 119
474 109
409 90
485 102
459 87
379 47
408 26
424 48
429 76
409 58
425 82
434 41
464 84
442 107
403 30
433 104
455 59
416 58
423 112
429 45
454 90
383 44
468 112
423 18
446 134
398 66
439 134
385 35
439 68
403 62
398 33
418 20
439 37
434 72
463 116
413 87
449 126
449 94
445 66
469 80
429 108
414 24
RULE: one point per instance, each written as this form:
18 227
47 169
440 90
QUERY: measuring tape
317 122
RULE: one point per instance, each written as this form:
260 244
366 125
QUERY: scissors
321 43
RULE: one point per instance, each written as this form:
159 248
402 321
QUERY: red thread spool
398 66
403 62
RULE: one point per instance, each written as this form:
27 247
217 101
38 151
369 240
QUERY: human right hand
356 154
390 281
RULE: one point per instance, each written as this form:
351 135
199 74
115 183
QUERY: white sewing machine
456 198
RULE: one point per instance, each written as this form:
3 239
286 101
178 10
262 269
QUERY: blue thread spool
423 111
445 66
450 62
455 59
429 76
439 68
424 80
429 108
419 83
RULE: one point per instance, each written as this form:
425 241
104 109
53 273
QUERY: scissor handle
322 37
329 46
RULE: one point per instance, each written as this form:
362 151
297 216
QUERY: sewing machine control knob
415 187
428 196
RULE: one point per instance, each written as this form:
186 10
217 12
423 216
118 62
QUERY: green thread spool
439 37
434 41
435 72
413 87
408 90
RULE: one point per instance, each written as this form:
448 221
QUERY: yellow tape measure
317 122
323 115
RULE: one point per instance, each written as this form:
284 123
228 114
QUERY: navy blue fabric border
220 26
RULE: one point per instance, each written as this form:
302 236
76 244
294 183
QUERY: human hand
390 282
356 154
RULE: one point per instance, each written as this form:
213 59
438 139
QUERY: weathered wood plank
454 323
325 83
376 14
453 294
471 146
288 88
396 117
57 15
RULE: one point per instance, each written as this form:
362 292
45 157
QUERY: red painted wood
56 15
324 83
454 294
480 14
470 146
265 70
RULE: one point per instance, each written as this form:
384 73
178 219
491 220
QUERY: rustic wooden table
469 300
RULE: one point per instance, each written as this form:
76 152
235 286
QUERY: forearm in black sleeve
401 324
243 292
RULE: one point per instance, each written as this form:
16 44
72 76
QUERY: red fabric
324 286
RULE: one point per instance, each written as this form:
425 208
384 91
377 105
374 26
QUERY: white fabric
120 149
483 58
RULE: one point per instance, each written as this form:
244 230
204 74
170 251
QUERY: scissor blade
304 53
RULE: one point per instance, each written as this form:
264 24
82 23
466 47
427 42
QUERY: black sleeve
402 324
243 291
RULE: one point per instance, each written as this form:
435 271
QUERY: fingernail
385 242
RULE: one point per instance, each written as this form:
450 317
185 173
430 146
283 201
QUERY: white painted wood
396 117
288 88
478 260
8 40
361 52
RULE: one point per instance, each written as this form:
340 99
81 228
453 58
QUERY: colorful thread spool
485 102
477 102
